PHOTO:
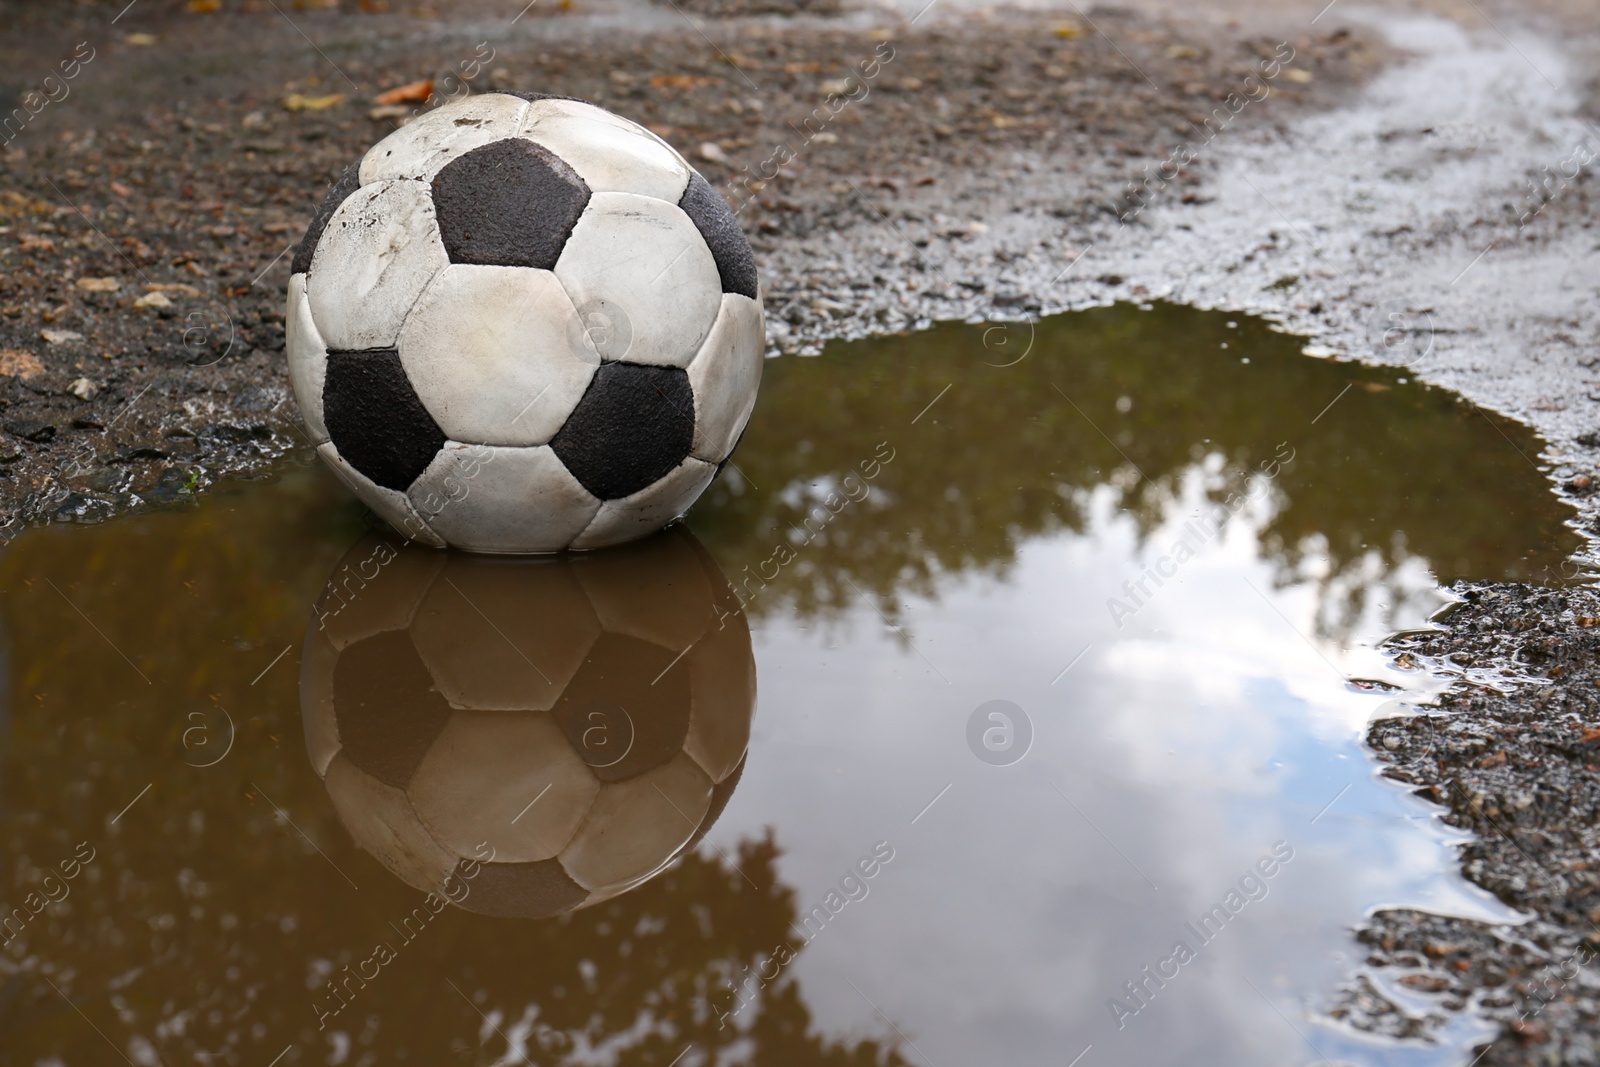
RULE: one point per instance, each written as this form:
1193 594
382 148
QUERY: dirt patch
147 221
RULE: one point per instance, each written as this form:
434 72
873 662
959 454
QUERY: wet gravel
147 220
1512 753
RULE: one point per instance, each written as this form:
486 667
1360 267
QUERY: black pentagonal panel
522 94
720 227
386 708
509 203
625 712
520 890
375 418
633 425
348 183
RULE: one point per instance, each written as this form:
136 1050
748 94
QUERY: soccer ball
521 324
547 733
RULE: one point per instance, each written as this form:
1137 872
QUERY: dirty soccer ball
523 324
528 736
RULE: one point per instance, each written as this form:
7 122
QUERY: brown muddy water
1001 704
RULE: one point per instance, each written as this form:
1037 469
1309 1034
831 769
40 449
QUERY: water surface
1166 539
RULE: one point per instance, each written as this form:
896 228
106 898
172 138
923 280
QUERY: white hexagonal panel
722 694
506 778
375 588
648 509
497 354
491 499
308 358
382 821
380 250
635 826
611 154
321 725
640 262
725 375
503 634
390 504
430 141
655 590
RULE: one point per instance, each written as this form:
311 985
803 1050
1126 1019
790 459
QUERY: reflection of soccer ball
521 324
584 717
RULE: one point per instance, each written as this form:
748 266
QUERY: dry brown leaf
416 92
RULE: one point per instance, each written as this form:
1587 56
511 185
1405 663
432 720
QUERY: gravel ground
144 218
1001 165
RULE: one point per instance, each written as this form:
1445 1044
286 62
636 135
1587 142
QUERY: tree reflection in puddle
914 534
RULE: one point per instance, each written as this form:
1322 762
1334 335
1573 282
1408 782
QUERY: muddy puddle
1001 704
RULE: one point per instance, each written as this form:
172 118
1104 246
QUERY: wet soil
173 176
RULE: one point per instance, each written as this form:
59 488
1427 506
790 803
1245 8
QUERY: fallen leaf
143 40
1068 31
15 363
389 111
98 285
681 81
301 102
416 92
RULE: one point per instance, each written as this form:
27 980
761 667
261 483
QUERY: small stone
34 430
712 152
155 301
257 398
79 507
83 389
98 285
60 337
